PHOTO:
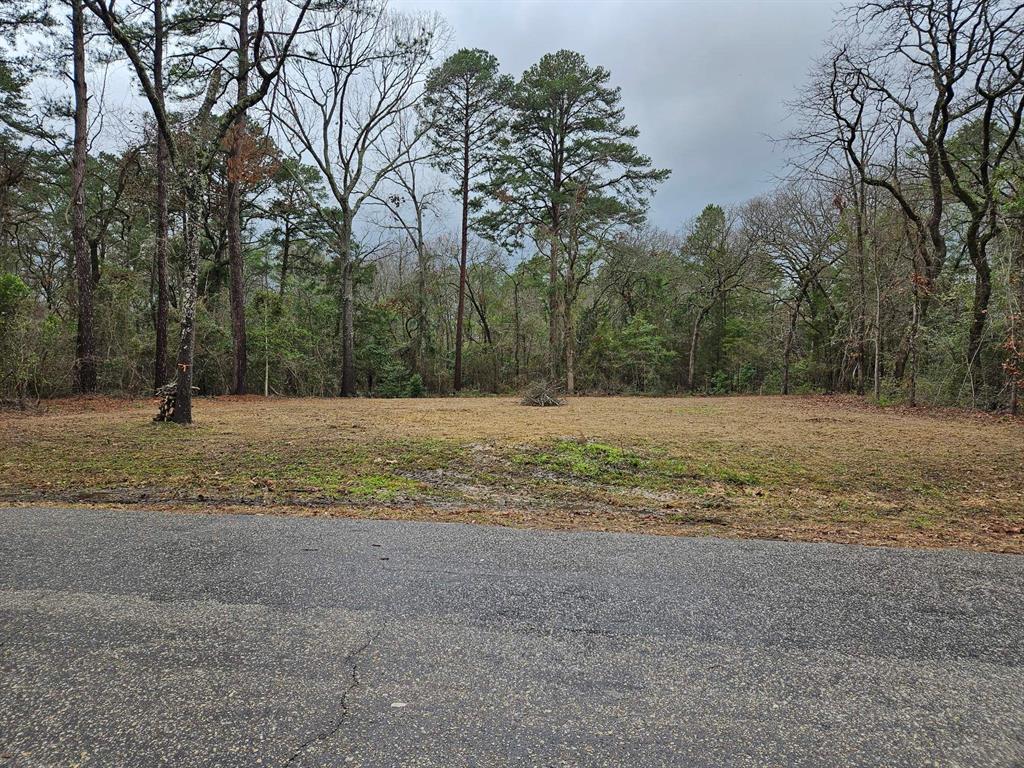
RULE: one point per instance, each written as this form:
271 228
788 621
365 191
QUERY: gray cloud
706 82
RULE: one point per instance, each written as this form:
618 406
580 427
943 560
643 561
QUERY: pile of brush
542 394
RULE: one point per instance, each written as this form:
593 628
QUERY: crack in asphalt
352 660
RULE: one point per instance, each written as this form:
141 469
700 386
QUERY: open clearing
801 468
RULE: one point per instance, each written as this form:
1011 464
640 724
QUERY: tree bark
189 300
422 322
915 324
94 260
862 344
463 255
554 303
85 351
162 218
1017 360
569 332
348 334
979 313
877 383
516 324
787 350
286 248
234 194
694 338
553 269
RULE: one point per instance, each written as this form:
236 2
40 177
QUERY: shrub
396 381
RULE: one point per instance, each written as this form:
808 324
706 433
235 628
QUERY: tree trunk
348 335
516 330
266 335
1016 358
189 301
979 314
286 247
85 351
927 269
553 293
787 351
234 193
862 344
915 323
722 298
422 322
162 218
569 342
694 337
877 389
463 254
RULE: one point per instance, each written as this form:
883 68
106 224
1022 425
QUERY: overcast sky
705 82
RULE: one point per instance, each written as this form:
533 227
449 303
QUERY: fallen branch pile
542 394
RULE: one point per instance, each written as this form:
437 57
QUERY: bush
720 384
396 381
15 355
12 292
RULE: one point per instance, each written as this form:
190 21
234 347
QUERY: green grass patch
381 487
607 464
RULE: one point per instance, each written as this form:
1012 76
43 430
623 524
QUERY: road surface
147 639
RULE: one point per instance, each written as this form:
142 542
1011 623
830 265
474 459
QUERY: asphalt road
146 639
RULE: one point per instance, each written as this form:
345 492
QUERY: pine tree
464 105
568 169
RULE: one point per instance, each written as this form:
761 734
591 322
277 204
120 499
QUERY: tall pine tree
569 168
464 104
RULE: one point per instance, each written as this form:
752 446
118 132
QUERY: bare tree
821 152
409 200
943 83
270 49
343 100
796 229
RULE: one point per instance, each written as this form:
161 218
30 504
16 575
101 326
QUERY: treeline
314 200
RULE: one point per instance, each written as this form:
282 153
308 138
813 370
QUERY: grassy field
819 469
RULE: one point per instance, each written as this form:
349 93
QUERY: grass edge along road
797 468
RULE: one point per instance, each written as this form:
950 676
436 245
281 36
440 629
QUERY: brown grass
796 468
